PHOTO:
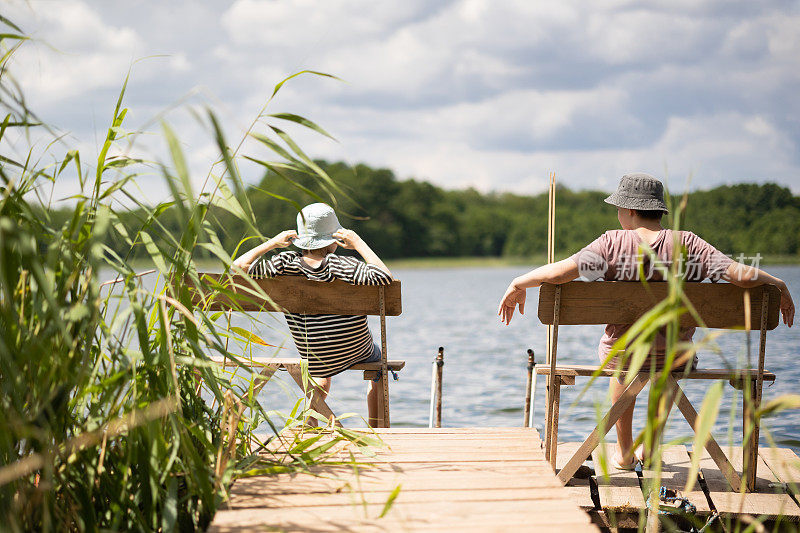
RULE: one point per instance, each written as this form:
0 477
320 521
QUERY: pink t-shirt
615 255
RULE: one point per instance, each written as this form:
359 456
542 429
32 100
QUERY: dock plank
763 502
579 489
784 464
450 480
618 489
414 517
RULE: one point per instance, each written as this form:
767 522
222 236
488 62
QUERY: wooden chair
295 294
720 305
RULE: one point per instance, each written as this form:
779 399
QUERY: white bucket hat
316 224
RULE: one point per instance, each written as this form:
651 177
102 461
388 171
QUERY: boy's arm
281 240
748 276
558 272
350 240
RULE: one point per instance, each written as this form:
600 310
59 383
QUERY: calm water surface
485 361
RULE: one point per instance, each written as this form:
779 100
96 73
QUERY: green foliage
112 414
411 218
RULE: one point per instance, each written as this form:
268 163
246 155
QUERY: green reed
112 414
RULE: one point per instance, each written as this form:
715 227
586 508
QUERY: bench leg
317 403
552 435
264 376
383 399
750 437
600 431
712 447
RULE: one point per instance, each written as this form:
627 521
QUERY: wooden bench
719 305
296 294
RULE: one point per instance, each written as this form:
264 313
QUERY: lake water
485 361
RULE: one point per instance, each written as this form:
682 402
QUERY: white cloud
80 52
302 23
491 94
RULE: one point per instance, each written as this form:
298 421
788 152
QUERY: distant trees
412 218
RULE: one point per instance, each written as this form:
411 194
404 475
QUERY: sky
464 93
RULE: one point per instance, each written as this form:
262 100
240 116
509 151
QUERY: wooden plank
357 518
397 448
502 484
619 489
367 525
578 489
472 491
676 464
547 512
463 456
785 465
700 373
720 305
283 362
371 480
454 437
468 431
764 502
767 485
294 294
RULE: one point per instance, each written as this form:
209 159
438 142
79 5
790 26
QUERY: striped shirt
330 343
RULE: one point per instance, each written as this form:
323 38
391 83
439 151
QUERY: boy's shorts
374 357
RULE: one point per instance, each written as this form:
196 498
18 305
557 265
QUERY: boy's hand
787 306
284 238
508 304
347 238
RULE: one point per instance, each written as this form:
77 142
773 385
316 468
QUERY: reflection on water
485 361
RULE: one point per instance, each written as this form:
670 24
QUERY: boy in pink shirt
615 255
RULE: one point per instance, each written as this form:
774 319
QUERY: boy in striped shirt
330 343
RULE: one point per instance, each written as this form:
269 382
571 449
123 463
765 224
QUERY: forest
413 219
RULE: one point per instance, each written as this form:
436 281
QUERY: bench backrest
296 294
720 305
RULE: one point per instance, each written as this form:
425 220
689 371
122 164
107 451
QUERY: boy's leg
624 424
372 403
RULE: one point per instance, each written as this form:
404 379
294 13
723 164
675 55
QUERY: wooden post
439 371
553 396
553 433
750 476
551 222
528 389
748 395
383 394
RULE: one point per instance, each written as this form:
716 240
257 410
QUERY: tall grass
112 414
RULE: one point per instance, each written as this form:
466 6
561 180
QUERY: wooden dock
471 479
495 479
617 497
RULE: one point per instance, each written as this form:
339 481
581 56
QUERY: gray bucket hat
639 191
316 224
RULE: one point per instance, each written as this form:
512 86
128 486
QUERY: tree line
413 218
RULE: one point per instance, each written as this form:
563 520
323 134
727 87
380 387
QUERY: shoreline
532 261
414 263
